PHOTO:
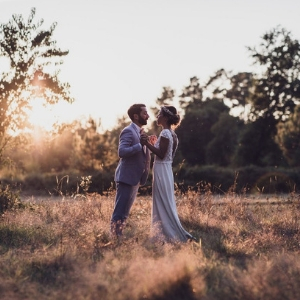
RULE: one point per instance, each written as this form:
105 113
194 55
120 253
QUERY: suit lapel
135 129
145 152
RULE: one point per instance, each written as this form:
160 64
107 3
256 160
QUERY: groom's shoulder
128 127
126 130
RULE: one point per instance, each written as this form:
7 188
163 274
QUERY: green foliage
196 177
80 148
94 151
35 182
192 96
263 99
248 179
102 182
256 146
239 93
72 184
288 138
195 132
9 198
244 180
277 89
255 179
221 149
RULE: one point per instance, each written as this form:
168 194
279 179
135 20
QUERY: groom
133 167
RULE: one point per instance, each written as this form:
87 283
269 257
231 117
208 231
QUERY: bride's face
160 118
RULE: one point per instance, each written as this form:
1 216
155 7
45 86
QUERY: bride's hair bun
171 113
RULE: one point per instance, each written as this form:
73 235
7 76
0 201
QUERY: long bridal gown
165 224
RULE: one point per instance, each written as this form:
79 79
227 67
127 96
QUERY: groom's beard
142 121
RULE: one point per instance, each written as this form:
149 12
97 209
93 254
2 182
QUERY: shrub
8 197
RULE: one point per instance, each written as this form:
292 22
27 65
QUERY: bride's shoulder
165 133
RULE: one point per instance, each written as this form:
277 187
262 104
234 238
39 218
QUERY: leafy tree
78 148
257 147
277 89
235 90
288 138
194 131
239 93
90 142
33 58
44 152
265 98
192 96
190 148
94 150
273 96
221 148
58 152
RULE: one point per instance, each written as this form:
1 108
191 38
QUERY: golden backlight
45 116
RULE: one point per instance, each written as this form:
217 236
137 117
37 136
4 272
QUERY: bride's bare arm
162 147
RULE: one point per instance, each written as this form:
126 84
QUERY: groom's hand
143 138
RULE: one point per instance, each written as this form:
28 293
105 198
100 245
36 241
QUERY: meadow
60 248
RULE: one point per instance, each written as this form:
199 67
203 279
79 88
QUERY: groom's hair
135 109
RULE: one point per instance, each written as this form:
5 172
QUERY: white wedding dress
165 224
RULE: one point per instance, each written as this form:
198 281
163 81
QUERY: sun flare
45 116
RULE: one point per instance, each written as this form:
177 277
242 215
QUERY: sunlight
40 116
46 116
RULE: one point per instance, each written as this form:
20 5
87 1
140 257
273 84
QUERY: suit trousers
125 196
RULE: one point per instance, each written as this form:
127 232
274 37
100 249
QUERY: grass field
58 248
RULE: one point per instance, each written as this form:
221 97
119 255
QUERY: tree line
239 130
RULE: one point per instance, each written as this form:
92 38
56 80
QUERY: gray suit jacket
134 164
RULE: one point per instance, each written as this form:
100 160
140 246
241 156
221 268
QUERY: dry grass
61 249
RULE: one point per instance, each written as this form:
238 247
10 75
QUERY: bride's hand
152 139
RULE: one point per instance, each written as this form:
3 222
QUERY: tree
50 152
94 151
288 138
200 116
274 93
235 90
267 98
192 96
277 89
194 131
256 146
221 148
241 85
33 58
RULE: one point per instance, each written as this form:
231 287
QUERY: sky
125 51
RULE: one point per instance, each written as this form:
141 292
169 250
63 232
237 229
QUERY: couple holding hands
135 148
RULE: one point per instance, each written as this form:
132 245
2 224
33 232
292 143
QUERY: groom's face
143 116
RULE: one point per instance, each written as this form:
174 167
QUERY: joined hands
151 139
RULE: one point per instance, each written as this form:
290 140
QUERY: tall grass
58 248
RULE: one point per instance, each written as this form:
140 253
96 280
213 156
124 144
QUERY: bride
165 223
